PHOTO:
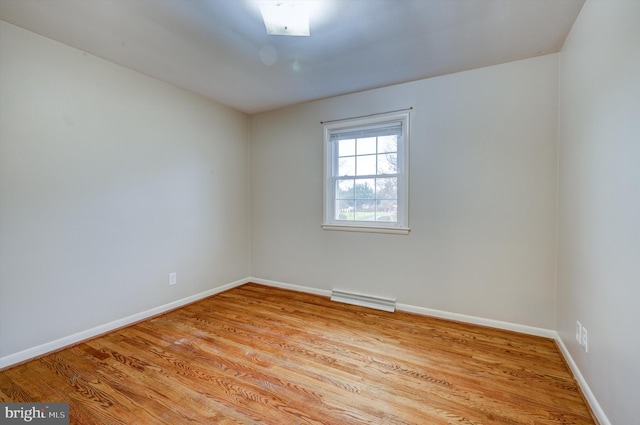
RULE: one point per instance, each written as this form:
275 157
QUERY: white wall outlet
173 278
579 332
585 340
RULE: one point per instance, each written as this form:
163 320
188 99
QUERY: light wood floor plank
256 354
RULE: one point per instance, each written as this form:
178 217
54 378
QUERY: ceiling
220 49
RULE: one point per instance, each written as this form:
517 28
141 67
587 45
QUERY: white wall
482 196
109 181
599 207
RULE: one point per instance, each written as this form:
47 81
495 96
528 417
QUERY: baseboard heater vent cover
378 303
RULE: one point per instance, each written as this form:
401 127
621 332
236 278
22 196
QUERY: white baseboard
475 320
530 330
282 285
586 390
30 353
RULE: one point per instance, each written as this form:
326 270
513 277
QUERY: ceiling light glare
286 18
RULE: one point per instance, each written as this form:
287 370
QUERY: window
366 174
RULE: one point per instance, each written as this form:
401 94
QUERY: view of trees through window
366 174
367 182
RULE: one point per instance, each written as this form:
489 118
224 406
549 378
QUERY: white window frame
329 222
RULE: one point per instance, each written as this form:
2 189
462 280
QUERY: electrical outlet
173 278
585 340
579 332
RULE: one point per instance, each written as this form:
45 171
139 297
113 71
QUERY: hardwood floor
256 354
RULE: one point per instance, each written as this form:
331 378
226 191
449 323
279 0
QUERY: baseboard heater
378 303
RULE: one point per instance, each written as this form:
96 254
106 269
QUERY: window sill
367 229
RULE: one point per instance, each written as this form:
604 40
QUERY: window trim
402 225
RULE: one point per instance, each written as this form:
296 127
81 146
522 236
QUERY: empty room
319 212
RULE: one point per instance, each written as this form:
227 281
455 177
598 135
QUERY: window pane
388 163
367 146
365 189
365 210
347 166
345 189
387 144
386 210
366 169
346 147
366 165
387 188
345 210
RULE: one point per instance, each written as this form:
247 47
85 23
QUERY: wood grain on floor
257 354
